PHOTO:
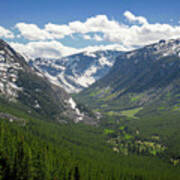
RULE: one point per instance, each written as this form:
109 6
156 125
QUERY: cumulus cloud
94 37
132 18
44 49
5 33
117 47
43 41
55 49
86 37
97 38
58 31
140 32
32 32
99 23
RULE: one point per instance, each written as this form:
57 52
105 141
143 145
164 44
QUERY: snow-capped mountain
77 72
20 83
146 76
158 50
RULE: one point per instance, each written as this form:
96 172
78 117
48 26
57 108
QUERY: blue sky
62 11
135 18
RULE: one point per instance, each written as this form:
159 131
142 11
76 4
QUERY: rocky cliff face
21 83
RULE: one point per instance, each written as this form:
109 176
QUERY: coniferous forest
33 148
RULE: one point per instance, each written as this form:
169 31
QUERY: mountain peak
163 48
19 82
3 43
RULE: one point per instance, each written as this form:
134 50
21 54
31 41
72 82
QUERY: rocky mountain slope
77 72
149 76
21 84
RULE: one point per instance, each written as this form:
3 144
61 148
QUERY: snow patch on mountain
158 50
166 47
9 75
77 72
90 54
87 78
74 107
64 83
104 61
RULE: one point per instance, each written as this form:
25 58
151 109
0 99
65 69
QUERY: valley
139 101
123 125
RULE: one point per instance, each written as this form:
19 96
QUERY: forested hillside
32 148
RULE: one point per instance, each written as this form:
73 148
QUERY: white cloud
50 49
58 31
5 33
117 47
99 23
97 38
78 27
132 18
142 34
86 37
93 24
32 32
138 33
55 49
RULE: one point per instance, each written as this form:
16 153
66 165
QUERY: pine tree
76 174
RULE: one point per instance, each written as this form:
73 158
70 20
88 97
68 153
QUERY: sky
56 28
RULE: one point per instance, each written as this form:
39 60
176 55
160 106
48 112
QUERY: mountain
139 100
125 145
77 72
21 84
149 76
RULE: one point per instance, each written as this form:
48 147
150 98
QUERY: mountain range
76 72
149 76
114 80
